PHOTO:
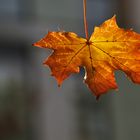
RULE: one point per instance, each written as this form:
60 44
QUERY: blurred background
32 107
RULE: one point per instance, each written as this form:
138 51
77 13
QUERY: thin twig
85 18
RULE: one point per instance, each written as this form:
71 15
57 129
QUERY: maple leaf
109 48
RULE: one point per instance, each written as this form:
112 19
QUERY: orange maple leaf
109 48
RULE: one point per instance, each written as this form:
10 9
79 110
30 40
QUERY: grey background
31 105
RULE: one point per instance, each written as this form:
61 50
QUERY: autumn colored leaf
109 48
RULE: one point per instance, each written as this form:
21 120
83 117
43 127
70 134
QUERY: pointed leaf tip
59 85
114 16
97 97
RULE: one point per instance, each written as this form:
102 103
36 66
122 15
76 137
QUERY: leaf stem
85 18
